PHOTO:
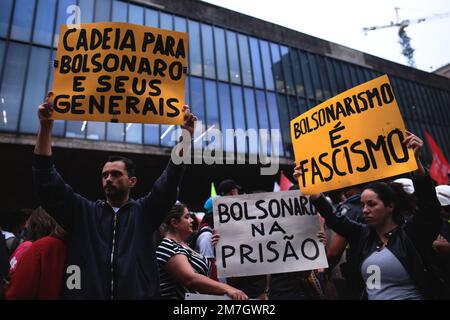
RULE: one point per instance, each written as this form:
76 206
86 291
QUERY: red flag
285 183
440 168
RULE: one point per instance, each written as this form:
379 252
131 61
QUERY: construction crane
405 40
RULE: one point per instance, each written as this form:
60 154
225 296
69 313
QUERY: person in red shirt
40 273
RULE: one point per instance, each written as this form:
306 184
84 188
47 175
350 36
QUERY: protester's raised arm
165 190
44 137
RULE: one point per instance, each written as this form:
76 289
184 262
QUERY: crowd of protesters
150 248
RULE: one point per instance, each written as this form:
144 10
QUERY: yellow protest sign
352 138
120 72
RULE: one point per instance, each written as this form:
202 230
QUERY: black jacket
115 252
411 242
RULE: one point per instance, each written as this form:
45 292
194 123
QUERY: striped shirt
170 288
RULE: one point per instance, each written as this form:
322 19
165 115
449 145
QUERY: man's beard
114 193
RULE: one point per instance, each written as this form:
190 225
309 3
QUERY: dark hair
195 223
130 166
393 193
14 220
41 224
176 213
208 219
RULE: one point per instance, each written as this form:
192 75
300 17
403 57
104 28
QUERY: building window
318 89
208 51
197 100
239 114
233 58
274 119
306 74
287 70
211 104
293 108
87 10
297 71
135 14
12 85
34 88
5 14
43 29
256 63
325 81
226 116
22 20
115 132
284 123
151 134
2 53
267 64
263 120
151 18
277 67
166 21
252 122
221 54
119 12
180 24
245 60
331 77
103 10
194 48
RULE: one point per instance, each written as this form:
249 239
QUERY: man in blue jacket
111 250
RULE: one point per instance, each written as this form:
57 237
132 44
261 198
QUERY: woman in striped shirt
181 269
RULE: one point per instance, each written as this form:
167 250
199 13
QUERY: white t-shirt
204 244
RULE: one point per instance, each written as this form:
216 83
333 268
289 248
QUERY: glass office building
243 73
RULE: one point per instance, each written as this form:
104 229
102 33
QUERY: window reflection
252 122
208 51
274 120
194 48
284 123
277 67
103 10
34 88
233 58
5 14
2 52
261 106
304 62
256 63
87 10
211 104
135 14
22 20
221 54
119 11
43 30
151 18
226 120
287 70
245 60
267 64
238 114
12 85
297 71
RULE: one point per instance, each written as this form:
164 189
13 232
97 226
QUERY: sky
341 21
